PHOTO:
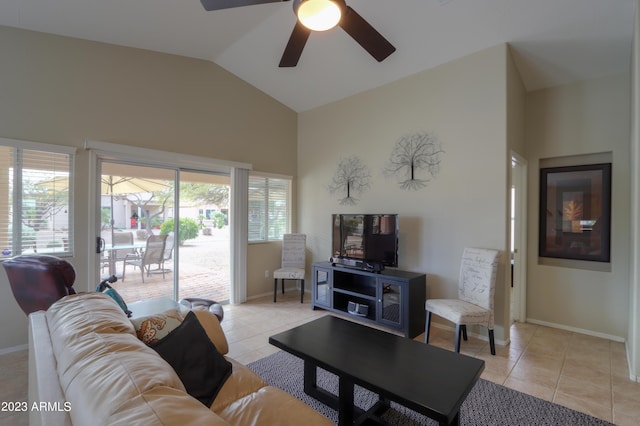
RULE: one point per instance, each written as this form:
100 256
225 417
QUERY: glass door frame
238 172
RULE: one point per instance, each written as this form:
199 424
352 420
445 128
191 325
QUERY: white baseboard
18 348
578 330
286 290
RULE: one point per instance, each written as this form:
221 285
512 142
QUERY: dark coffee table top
425 378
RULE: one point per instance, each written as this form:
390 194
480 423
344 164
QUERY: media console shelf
392 298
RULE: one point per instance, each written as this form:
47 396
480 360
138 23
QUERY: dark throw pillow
201 368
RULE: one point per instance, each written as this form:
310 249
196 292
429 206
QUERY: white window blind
35 207
269 207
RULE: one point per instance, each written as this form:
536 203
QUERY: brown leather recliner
37 281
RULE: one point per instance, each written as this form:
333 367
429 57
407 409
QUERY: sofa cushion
211 324
164 406
242 382
153 328
202 369
87 312
100 372
271 406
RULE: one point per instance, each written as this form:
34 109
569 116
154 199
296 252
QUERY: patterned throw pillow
153 328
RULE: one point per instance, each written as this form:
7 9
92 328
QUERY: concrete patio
203 268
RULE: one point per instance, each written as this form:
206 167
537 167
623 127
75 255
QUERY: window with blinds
35 204
269 208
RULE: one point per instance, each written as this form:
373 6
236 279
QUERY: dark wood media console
392 298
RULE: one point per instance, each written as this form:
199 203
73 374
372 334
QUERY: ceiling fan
319 15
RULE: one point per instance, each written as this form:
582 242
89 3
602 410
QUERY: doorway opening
518 234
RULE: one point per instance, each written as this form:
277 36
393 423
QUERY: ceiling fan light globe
318 15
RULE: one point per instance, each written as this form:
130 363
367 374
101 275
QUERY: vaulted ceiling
553 41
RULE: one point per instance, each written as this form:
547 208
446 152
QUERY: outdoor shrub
219 219
187 229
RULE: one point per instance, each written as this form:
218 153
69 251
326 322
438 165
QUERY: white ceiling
555 41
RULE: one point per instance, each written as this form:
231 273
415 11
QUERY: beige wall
516 94
64 91
584 117
464 103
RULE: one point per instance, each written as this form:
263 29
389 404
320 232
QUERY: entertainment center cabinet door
390 303
322 287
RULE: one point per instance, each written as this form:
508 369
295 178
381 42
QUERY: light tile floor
584 373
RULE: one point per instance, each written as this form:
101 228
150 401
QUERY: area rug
488 404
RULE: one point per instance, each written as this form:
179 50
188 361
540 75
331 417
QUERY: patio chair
153 255
168 251
119 255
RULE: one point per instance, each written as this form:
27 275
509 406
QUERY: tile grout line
564 360
519 356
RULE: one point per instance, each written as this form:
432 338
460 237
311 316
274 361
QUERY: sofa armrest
211 325
44 386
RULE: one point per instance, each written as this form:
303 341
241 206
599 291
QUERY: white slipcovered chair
293 263
476 289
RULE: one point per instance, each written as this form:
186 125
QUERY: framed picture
575 212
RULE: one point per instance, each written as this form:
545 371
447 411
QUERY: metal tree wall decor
351 177
415 159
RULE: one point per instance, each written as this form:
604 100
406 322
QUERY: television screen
366 237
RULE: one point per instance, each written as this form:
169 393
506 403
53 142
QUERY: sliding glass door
164 231
204 246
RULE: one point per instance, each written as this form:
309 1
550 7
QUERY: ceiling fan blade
367 36
228 4
292 52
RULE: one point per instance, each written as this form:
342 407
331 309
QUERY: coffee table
424 378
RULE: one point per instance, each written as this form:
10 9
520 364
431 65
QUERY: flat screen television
366 237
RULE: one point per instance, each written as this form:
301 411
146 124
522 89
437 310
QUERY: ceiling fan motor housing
340 3
319 15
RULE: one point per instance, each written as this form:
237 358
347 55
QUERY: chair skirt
289 274
459 311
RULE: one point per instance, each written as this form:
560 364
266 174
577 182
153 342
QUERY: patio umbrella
111 185
121 185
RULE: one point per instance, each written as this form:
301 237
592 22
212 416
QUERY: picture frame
575 212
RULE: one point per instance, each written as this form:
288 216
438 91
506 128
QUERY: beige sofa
87 367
